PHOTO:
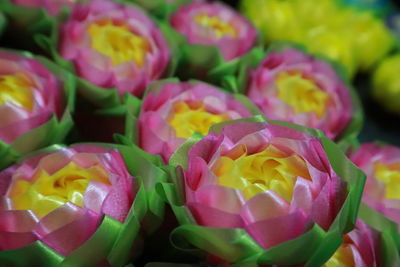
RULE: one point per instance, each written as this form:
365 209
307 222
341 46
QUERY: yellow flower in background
386 83
355 38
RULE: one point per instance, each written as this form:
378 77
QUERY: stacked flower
33 103
177 110
248 166
64 203
293 86
274 182
112 45
216 24
361 247
381 163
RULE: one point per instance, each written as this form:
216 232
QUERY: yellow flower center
17 89
192 117
302 94
270 169
343 257
220 27
390 176
118 42
45 192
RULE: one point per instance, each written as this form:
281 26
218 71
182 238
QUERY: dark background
378 124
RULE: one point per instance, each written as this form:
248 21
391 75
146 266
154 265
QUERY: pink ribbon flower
114 45
60 197
381 164
360 248
293 86
30 95
215 24
178 110
268 179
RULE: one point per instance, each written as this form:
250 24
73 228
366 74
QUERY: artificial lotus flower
356 38
361 247
257 191
293 86
381 164
113 45
72 205
177 110
215 24
53 7
34 103
386 83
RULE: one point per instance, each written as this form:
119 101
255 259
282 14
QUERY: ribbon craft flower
114 45
60 197
360 248
293 86
260 185
215 24
180 109
30 96
51 6
381 163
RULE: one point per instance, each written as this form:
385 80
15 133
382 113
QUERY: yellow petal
17 89
118 42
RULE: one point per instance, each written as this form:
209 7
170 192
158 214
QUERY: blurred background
379 124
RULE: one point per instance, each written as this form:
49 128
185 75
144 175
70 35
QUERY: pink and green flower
293 86
251 190
81 205
112 45
381 164
176 110
215 24
36 98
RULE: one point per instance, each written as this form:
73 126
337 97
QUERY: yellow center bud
45 192
17 89
118 42
190 118
220 27
270 169
390 176
302 94
343 257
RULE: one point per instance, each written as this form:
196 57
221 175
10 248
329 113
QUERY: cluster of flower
251 152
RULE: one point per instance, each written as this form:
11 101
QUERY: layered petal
293 86
381 164
114 46
60 197
30 95
215 24
177 110
271 180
